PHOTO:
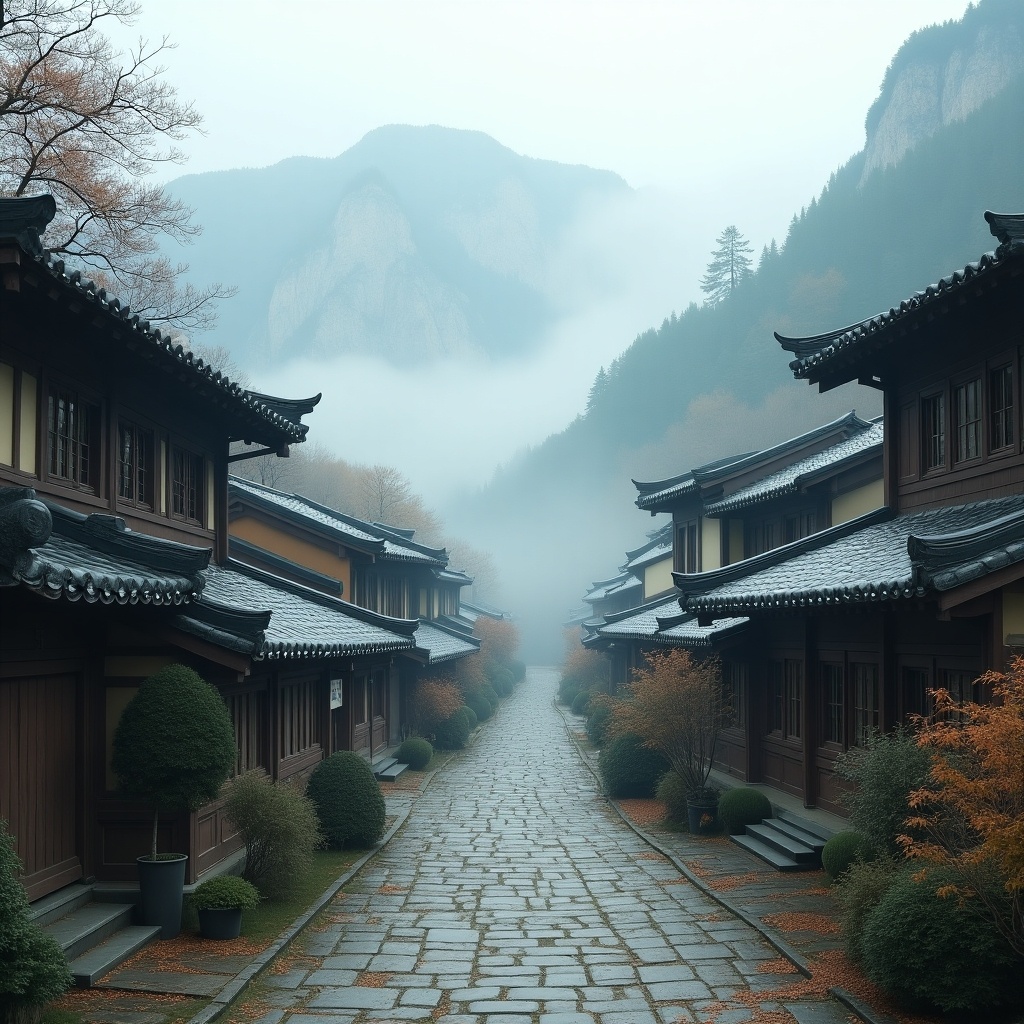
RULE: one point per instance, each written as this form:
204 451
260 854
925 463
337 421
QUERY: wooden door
38 778
380 709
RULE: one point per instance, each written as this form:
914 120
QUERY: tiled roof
267 419
61 553
659 492
602 588
652 554
879 557
441 645
802 472
305 623
370 537
640 622
480 608
453 576
815 355
662 622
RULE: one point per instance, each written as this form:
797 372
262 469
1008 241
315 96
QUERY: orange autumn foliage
970 815
583 666
500 639
434 701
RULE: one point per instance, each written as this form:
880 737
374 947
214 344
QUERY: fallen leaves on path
797 921
373 979
390 890
729 882
180 955
644 812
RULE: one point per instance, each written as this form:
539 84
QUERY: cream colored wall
210 494
284 544
736 551
6 414
658 578
29 424
710 544
857 503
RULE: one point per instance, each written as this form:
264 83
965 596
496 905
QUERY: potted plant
677 706
174 747
220 902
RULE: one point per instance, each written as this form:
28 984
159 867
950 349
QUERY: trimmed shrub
416 752
434 701
225 892
581 702
742 806
348 800
842 850
470 714
599 716
280 828
481 706
518 670
568 688
452 733
174 745
503 681
860 889
884 774
34 969
930 951
671 792
489 693
629 769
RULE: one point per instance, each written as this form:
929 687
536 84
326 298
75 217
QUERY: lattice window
73 439
834 702
1000 404
134 464
864 683
933 432
968 420
187 485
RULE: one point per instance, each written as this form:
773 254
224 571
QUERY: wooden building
114 561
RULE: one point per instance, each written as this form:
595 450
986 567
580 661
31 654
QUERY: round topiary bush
930 951
842 850
503 681
471 718
599 716
452 733
629 769
174 745
416 752
225 892
581 702
490 694
518 670
348 800
567 689
481 706
671 792
742 806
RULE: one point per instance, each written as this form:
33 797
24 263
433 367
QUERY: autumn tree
500 639
677 706
730 264
969 817
434 701
88 123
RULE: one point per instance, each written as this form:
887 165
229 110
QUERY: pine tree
730 264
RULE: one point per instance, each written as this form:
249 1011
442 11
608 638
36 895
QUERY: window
785 686
1000 404
380 693
794 691
833 703
864 682
798 526
933 432
968 420
686 547
247 719
359 698
394 598
134 464
73 438
187 485
916 681
762 536
300 725
734 687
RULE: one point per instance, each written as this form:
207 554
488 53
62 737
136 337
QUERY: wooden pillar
810 718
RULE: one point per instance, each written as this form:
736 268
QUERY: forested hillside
714 380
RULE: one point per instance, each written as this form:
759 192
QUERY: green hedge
348 800
416 752
742 806
629 769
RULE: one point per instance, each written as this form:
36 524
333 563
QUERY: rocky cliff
941 75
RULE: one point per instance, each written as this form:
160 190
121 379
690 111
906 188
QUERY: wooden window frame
866 718
960 430
833 704
82 398
150 502
928 400
190 455
1008 411
735 690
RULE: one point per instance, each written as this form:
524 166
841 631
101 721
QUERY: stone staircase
95 936
387 768
787 841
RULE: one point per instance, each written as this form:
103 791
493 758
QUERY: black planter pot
220 922
702 817
161 887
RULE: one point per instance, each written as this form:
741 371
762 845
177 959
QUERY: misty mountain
415 244
900 214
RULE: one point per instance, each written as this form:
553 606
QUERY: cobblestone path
513 894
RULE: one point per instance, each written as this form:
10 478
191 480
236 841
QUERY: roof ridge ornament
23 220
25 523
1009 229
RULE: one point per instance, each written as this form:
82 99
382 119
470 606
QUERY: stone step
779 861
382 764
815 842
392 772
821 831
95 963
794 848
88 925
56 904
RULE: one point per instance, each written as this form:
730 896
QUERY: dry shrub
500 639
434 701
469 674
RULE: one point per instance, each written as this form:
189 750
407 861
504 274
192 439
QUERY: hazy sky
739 108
